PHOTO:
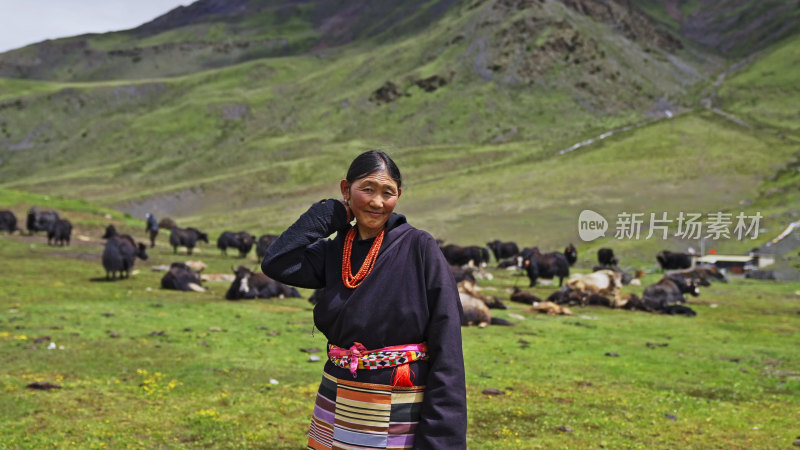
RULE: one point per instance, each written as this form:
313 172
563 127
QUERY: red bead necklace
350 280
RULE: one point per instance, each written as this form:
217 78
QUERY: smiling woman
395 374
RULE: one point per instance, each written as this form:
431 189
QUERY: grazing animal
263 243
602 283
242 241
59 233
705 274
119 255
673 260
566 296
151 227
477 313
668 291
502 250
40 220
111 231
461 256
469 287
249 285
545 265
462 273
525 297
510 263
167 223
8 221
551 309
571 253
606 258
181 277
636 303
188 237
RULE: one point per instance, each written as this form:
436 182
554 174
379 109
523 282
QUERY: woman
391 314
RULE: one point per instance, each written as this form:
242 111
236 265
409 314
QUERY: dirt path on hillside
708 102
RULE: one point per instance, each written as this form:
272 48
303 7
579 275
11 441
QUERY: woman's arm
297 257
443 420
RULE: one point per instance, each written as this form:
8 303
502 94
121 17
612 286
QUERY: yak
188 237
249 285
119 255
673 260
40 220
167 223
503 250
704 274
461 273
59 233
111 231
460 256
8 221
181 277
525 297
263 243
242 241
571 253
669 291
545 265
606 258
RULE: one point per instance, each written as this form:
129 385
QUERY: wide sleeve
297 257
443 420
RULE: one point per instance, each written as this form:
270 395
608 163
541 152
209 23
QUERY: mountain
476 100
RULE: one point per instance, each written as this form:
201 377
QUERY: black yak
264 241
241 241
673 260
167 223
188 237
8 221
669 291
606 258
545 265
59 233
503 250
119 255
181 277
571 253
40 220
460 256
111 231
249 285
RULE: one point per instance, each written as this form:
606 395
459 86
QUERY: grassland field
251 145
141 367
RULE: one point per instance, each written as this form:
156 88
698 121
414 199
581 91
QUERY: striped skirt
353 415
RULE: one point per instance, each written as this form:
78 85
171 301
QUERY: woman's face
372 200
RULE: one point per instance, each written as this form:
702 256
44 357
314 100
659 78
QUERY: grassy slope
729 376
766 92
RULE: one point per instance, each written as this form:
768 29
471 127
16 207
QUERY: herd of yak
601 287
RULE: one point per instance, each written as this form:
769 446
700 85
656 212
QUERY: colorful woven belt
358 357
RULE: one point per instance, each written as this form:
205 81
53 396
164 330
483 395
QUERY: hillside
475 103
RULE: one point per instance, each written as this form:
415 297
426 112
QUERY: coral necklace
350 280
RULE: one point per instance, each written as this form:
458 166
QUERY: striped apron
353 415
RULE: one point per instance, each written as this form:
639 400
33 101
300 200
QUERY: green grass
766 92
729 376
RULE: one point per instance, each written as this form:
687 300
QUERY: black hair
370 162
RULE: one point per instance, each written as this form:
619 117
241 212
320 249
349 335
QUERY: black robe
409 297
